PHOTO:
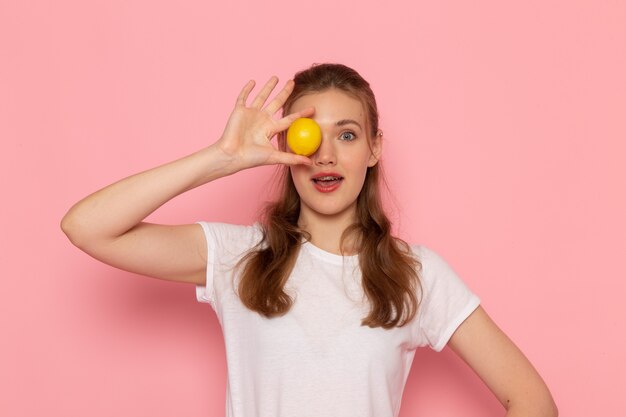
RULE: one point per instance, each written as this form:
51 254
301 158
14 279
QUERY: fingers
291 159
286 121
243 95
308 112
280 98
264 93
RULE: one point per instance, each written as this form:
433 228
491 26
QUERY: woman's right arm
109 226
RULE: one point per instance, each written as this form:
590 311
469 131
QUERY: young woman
321 308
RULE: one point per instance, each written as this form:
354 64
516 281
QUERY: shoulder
445 299
429 259
434 269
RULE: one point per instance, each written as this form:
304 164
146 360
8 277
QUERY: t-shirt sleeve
446 301
226 244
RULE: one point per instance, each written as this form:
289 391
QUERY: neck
326 230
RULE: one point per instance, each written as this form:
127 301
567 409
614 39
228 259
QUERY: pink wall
505 129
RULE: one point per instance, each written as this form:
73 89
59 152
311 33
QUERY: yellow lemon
304 136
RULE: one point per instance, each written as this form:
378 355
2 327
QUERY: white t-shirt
317 360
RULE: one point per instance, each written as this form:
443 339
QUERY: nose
325 154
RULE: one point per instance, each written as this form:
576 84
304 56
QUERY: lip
325 174
323 189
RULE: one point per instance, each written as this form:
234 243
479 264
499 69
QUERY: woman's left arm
502 367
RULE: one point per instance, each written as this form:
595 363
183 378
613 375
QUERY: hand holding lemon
304 136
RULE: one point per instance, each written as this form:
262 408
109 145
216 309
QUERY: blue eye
348 136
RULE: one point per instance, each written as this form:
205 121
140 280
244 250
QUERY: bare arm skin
109 226
502 367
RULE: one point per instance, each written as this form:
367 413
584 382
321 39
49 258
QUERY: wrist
215 163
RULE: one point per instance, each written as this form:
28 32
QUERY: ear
377 148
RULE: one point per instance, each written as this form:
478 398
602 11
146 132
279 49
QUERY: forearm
117 208
502 367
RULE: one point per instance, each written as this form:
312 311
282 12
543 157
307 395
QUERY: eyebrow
344 122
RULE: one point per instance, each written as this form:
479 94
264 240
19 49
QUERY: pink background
505 128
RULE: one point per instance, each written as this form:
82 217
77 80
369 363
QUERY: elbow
554 411
70 225
551 410
67 226
80 230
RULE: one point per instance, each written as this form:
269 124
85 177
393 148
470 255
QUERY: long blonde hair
389 270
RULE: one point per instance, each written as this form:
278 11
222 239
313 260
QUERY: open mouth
327 184
327 181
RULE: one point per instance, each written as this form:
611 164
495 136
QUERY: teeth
326 178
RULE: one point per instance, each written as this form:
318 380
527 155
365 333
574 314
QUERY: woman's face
344 153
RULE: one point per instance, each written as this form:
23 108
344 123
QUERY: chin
330 210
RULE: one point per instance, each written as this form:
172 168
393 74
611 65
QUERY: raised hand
109 223
249 130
